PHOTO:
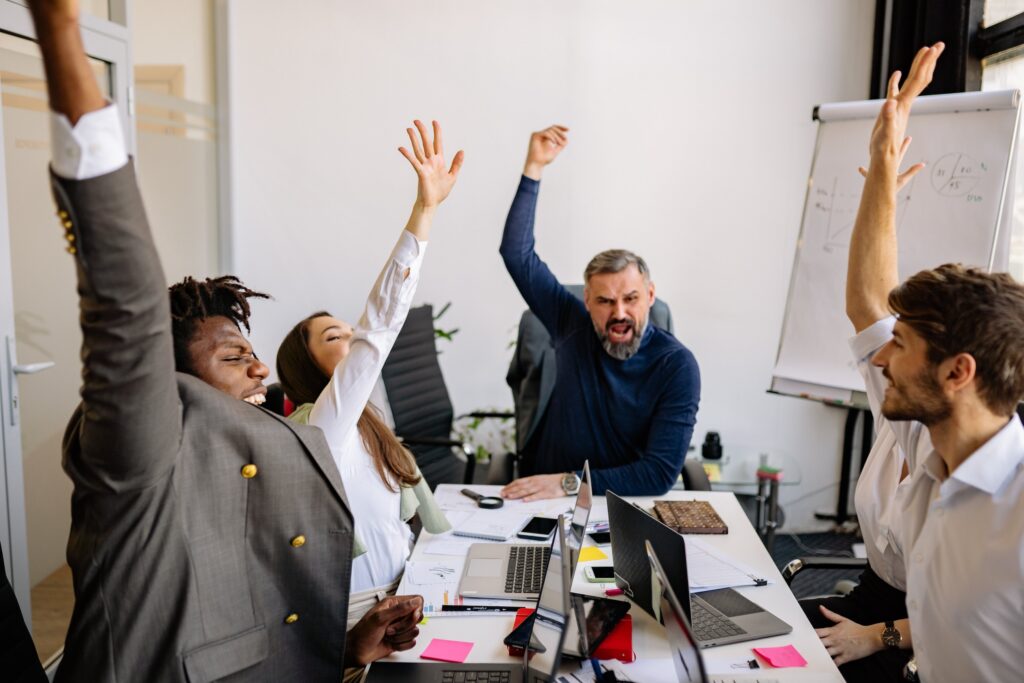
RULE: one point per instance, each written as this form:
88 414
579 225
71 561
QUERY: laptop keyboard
708 625
526 567
475 677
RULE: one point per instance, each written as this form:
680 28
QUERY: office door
39 335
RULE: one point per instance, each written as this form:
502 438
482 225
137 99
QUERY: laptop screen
686 655
581 512
549 625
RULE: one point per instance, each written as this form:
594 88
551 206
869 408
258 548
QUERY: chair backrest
419 398
531 374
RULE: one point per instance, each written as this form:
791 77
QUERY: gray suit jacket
184 568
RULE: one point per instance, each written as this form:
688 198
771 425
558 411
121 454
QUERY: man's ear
957 372
650 291
586 296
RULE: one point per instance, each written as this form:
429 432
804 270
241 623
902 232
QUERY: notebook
492 525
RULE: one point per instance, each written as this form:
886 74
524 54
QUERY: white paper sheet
708 569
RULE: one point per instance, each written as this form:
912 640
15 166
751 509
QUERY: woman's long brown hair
302 380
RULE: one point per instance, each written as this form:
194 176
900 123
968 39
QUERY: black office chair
420 405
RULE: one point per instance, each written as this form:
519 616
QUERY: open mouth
620 332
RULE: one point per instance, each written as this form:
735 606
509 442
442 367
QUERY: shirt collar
988 468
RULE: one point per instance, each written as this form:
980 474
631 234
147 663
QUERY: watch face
891 637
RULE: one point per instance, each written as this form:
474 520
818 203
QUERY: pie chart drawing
955 174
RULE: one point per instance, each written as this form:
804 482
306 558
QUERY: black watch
891 636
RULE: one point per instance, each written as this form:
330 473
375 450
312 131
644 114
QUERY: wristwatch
570 483
891 637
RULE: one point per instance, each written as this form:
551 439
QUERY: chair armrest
796 566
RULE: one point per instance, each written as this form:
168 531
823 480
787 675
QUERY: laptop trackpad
486 567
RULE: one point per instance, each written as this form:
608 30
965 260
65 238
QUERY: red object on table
617 645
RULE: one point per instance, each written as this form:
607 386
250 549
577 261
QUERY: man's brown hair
615 261
966 310
302 381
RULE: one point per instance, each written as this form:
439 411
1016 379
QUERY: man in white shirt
948 370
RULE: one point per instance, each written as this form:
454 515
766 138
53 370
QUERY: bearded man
626 392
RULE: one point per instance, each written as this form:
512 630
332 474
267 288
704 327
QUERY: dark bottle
712 448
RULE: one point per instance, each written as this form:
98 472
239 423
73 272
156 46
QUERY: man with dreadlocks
210 539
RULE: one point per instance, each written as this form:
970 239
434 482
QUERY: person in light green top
416 499
329 369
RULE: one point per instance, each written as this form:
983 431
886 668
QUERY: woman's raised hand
427 159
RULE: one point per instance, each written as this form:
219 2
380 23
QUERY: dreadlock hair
193 301
303 380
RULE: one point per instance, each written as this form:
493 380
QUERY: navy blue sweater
633 419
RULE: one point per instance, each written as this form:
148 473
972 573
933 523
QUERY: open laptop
515 571
590 619
540 661
718 617
686 655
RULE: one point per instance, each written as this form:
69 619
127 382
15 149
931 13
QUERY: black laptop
718 617
540 661
686 656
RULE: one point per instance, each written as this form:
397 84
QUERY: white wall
691 144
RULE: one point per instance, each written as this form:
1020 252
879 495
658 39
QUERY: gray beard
622 351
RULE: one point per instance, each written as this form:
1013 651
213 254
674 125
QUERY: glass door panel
45 330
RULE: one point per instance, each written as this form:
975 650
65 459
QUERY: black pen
479 608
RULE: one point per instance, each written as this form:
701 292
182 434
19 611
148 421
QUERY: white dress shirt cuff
870 339
93 147
409 250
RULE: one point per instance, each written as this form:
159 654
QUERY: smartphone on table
538 529
599 574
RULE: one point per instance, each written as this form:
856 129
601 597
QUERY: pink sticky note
447 650
780 657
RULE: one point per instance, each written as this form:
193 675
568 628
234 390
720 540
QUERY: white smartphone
538 529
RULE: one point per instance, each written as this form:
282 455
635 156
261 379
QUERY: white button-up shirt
879 485
376 509
963 540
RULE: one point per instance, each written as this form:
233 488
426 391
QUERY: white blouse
376 509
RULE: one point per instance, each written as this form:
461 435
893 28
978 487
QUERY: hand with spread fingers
888 138
389 626
545 146
427 159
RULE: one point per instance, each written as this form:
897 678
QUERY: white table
649 641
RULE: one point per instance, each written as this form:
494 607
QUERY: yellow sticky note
590 553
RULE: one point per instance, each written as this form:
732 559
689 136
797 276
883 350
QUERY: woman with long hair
330 369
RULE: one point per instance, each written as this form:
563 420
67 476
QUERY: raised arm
129 425
339 406
872 270
535 281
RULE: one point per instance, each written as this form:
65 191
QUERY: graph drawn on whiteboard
839 211
956 174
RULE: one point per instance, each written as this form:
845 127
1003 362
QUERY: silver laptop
686 655
516 571
540 661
